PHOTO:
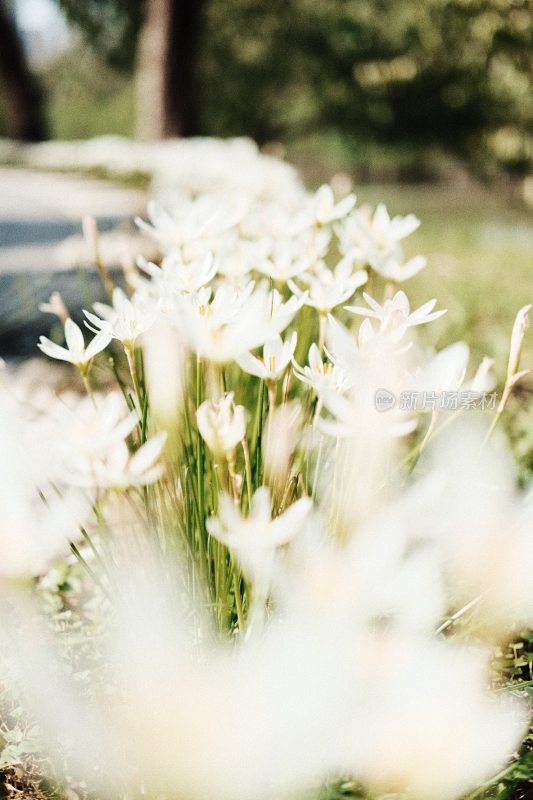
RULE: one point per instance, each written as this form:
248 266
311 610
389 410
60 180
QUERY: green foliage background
409 74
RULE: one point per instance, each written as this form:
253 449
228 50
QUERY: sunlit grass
479 249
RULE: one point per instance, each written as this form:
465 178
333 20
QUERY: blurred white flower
176 275
320 374
324 208
222 424
445 371
374 239
395 314
282 433
125 320
351 414
238 257
56 306
483 380
286 261
440 758
277 356
86 427
75 352
164 366
188 224
92 451
370 363
329 288
223 326
255 539
119 468
397 270
39 515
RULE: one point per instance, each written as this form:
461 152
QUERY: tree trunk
22 98
167 99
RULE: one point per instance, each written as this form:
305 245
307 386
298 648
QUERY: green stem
499 411
248 470
87 567
258 432
132 366
202 534
238 598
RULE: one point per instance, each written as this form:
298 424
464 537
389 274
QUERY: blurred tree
458 73
452 73
110 26
167 58
159 38
22 99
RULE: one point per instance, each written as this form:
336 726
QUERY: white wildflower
375 240
286 261
255 539
224 325
176 275
125 320
119 468
395 315
189 225
75 352
324 208
222 424
277 355
320 374
330 288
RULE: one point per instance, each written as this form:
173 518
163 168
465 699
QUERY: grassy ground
479 247
480 253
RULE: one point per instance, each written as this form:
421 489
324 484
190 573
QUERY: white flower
395 314
225 325
445 371
329 288
483 380
56 306
369 363
277 356
91 449
75 352
91 426
254 540
39 515
286 261
319 374
324 208
395 269
442 757
350 415
125 320
117 467
237 257
375 240
222 424
188 224
177 275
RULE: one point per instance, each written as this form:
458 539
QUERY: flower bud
520 327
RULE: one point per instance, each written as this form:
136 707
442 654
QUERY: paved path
38 211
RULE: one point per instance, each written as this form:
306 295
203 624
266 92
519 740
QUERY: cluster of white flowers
306 529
